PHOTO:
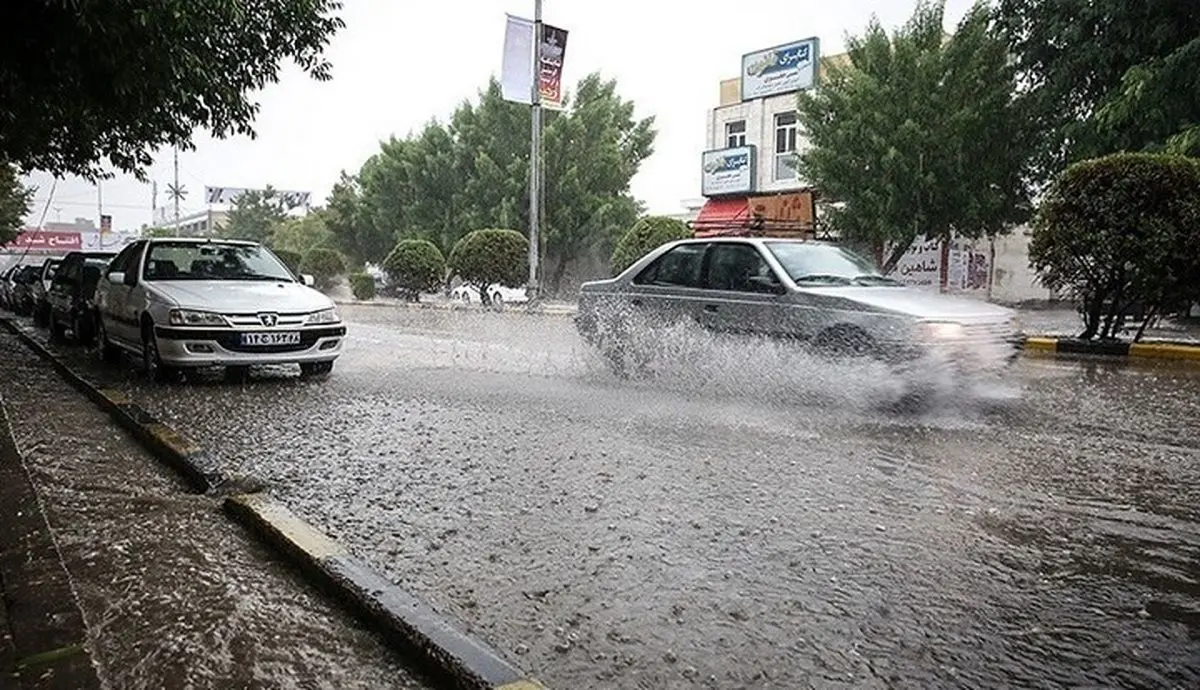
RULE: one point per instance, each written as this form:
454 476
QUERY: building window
735 134
785 146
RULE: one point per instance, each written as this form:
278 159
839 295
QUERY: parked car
7 285
182 304
814 292
72 295
41 287
21 299
500 294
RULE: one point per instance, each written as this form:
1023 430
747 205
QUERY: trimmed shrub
325 265
363 286
1118 232
646 235
289 258
484 257
413 267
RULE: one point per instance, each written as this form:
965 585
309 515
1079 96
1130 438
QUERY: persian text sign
782 69
727 171
229 195
921 265
550 72
48 241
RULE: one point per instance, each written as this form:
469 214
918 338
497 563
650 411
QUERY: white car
501 295
181 304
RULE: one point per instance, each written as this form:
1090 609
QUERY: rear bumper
193 347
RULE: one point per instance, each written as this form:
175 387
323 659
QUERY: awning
720 216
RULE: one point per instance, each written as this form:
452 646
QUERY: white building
198 224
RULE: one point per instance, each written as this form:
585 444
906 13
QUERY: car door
114 299
668 290
62 287
742 292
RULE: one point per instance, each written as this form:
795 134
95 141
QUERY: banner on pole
516 71
550 72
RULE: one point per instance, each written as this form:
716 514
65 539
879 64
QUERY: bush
1120 231
415 266
484 257
363 286
646 235
289 258
325 265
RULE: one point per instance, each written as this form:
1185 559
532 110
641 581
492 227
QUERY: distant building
199 224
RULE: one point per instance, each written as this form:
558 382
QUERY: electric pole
535 156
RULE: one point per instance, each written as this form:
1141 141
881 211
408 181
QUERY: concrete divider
1113 348
405 622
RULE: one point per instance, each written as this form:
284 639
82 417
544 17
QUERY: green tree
157 231
415 266
1104 76
300 234
362 284
646 235
88 86
290 258
485 257
254 215
1121 230
324 265
917 135
348 218
15 199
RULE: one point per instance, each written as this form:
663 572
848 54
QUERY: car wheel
841 342
58 332
83 332
108 352
311 369
152 364
465 297
237 374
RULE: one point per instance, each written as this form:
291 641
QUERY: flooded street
747 517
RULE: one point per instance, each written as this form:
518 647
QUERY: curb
169 446
1113 348
43 635
400 617
442 306
406 623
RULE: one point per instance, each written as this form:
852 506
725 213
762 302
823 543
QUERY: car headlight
940 330
191 317
324 316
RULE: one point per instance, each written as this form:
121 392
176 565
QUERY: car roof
201 240
754 240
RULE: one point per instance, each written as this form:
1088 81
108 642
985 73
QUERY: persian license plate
269 339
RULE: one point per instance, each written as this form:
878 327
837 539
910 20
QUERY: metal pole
100 213
535 154
176 193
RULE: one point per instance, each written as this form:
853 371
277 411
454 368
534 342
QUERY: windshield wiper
259 276
867 279
823 278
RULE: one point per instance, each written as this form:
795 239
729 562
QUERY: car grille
252 320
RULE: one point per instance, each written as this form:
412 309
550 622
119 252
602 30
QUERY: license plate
269 339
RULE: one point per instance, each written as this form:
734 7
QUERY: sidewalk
171 593
1066 323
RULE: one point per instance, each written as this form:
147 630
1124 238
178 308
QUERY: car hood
917 303
240 296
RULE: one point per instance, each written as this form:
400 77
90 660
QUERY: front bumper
199 347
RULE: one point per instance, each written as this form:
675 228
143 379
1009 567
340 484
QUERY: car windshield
813 264
213 261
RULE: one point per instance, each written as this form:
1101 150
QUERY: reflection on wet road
745 519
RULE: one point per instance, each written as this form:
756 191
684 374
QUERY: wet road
746 519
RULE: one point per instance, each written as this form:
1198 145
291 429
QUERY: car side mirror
308 279
768 285
117 278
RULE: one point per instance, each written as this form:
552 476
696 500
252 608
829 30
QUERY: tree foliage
254 216
324 265
917 136
1102 76
290 258
415 266
301 233
473 171
485 257
646 235
1121 230
87 85
362 284
15 199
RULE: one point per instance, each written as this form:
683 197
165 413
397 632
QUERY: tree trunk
1091 316
556 278
1151 314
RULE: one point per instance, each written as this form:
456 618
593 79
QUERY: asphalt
746 518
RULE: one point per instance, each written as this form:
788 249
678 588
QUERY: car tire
58 332
497 300
83 331
40 316
841 342
152 364
237 374
315 369
108 352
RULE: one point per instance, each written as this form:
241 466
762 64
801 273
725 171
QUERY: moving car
72 295
40 288
499 294
815 292
182 304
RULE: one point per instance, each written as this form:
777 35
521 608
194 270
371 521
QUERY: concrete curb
408 624
169 446
446 306
1113 348
400 617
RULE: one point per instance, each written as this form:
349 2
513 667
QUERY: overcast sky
397 64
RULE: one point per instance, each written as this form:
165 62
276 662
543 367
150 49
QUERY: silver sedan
814 292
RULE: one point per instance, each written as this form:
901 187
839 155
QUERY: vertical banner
105 224
550 72
516 70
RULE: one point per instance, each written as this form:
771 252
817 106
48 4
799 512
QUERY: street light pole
535 155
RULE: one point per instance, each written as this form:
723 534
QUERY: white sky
397 64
